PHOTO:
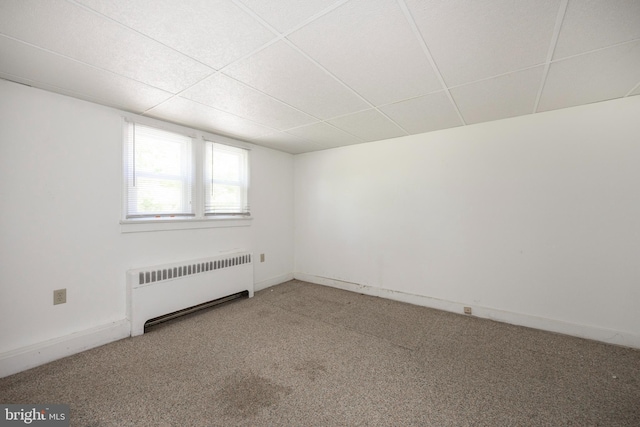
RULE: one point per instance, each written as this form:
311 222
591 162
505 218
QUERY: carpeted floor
300 354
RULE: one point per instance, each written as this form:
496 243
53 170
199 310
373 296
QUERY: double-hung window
173 176
160 173
226 178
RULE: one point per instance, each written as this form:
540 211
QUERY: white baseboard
272 282
31 356
21 359
582 331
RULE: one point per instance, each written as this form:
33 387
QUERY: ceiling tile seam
253 52
242 83
271 128
344 131
315 17
295 28
410 98
159 103
279 36
633 89
406 132
343 84
183 90
339 116
108 18
562 10
423 44
36 84
317 144
278 100
326 122
304 140
484 79
304 54
329 73
83 63
108 103
611 46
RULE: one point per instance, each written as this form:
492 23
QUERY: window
173 176
226 178
159 173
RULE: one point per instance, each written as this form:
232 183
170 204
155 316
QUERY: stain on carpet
311 369
245 394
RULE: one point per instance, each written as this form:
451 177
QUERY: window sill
145 225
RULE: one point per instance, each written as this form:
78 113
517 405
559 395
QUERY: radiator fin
191 269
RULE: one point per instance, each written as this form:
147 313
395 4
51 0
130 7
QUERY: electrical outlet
261 257
59 296
467 310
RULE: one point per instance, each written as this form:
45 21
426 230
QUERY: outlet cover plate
59 296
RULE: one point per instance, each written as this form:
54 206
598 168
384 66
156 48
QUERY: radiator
164 289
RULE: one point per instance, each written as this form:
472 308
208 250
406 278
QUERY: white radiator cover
162 289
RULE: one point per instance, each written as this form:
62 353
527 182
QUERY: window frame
242 183
199 219
185 178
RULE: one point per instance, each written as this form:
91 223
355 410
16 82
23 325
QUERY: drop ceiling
301 76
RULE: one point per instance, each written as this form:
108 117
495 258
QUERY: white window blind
226 180
160 173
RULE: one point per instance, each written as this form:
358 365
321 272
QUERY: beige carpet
300 354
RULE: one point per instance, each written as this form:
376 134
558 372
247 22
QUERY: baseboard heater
162 292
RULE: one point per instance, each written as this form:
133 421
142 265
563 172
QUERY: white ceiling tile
594 24
228 95
370 46
288 143
424 114
282 72
216 32
498 98
56 73
325 135
287 13
592 77
72 31
368 125
184 111
137 54
473 40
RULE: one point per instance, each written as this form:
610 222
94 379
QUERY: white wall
533 220
60 192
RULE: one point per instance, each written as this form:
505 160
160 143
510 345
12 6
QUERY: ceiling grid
306 76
